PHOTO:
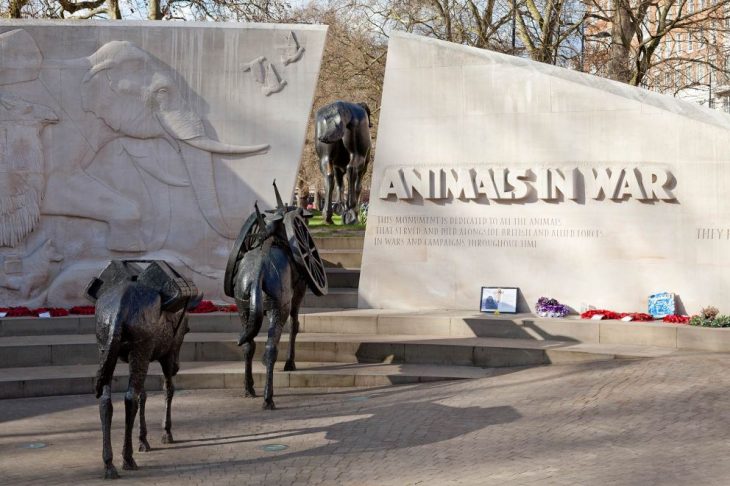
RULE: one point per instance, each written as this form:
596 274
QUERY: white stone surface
452 107
142 140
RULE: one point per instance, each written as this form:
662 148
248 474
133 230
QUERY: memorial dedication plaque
491 168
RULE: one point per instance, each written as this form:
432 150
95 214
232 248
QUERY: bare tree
644 37
353 65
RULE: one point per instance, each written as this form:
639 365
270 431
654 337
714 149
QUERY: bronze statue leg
329 181
297 298
246 341
106 410
138 364
167 424
144 446
276 325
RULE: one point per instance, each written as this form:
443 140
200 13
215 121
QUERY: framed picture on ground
497 300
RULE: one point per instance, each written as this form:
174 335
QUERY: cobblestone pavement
662 421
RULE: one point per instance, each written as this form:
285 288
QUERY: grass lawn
319 228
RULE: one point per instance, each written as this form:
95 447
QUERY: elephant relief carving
128 116
138 98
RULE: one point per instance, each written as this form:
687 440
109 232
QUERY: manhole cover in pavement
274 447
33 445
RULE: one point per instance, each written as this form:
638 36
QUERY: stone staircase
342 257
338 346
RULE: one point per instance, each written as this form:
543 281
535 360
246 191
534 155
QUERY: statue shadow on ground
374 429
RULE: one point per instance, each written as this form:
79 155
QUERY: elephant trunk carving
138 96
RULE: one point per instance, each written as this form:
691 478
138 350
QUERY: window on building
702 4
668 79
689 42
700 73
678 42
688 75
690 6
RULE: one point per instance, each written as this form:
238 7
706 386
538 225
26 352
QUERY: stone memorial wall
147 140
491 170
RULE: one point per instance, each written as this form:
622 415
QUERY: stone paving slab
638 422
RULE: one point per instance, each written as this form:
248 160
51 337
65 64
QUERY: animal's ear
367 110
97 68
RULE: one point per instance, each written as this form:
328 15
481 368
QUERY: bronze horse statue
140 317
342 142
270 267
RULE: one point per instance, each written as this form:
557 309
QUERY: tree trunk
15 7
619 62
154 10
114 12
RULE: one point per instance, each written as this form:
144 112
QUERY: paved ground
661 421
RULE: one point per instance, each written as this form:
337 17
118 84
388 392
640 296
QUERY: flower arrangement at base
89 310
547 307
607 314
610 315
710 317
676 319
83 310
17 312
206 306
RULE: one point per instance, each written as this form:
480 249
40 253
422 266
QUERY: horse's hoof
144 446
130 465
269 405
111 473
167 438
249 393
350 217
290 366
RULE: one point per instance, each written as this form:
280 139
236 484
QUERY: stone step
343 278
338 298
79 379
456 323
61 350
351 259
339 242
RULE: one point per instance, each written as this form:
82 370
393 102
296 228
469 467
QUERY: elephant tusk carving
205 143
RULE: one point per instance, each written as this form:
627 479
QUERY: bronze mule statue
271 265
140 317
342 142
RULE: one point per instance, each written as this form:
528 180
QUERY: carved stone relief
267 74
113 153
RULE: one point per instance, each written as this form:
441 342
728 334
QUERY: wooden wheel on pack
243 244
305 252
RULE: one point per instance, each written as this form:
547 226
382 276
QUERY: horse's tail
255 304
330 123
109 325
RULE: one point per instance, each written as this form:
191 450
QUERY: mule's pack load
300 242
175 290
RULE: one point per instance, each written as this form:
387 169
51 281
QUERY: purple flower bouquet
550 308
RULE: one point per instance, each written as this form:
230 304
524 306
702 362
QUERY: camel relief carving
22 178
129 135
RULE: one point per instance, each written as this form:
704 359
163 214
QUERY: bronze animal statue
269 269
342 142
140 317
